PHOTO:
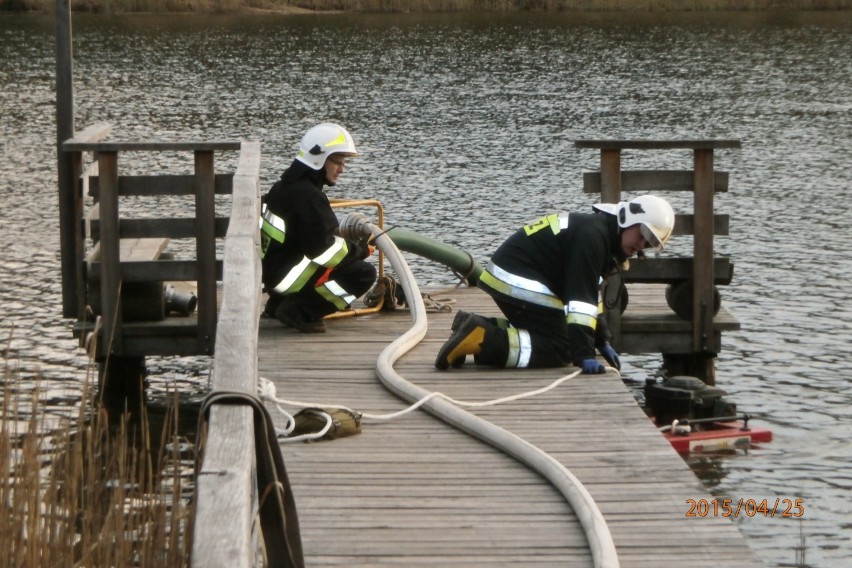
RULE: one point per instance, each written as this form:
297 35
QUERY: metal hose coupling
181 303
355 227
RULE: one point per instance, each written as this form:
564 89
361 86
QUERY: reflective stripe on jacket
299 231
557 263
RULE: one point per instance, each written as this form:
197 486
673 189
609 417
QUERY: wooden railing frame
205 270
611 180
226 493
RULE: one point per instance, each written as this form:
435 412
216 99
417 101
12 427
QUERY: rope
267 391
444 305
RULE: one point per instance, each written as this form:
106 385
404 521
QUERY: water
466 125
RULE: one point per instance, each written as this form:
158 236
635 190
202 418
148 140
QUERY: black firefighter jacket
569 259
300 231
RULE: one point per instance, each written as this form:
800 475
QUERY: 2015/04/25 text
748 507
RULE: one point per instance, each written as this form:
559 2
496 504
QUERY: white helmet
322 141
653 213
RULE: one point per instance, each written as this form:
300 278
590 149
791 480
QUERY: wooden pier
414 491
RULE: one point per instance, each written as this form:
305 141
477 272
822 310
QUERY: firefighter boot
289 313
461 319
465 340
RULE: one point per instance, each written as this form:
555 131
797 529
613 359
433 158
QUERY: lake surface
466 125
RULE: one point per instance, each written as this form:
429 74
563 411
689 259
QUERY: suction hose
597 533
355 226
462 262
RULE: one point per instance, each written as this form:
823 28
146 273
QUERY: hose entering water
597 533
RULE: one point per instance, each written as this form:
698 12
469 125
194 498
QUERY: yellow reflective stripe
297 277
272 231
582 319
519 287
514 348
341 139
333 255
335 294
272 228
274 222
582 313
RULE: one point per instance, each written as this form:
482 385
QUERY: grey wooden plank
75 145
643 181
413 480
225 490
657 144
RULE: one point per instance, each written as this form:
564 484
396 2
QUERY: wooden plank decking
415 492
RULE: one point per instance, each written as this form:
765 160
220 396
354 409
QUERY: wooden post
68 168
205 225
121 386
611 193
702 267
111 338
610 176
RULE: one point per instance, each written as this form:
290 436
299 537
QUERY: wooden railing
225 487
115 258
124 263
703 271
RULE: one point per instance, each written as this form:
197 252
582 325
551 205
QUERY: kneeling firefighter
545 279
309 270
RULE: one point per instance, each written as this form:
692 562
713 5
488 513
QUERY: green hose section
460 261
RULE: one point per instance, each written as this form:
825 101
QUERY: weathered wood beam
153 185
643 181
225 483
657 144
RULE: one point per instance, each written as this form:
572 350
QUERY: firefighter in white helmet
545 279
309 270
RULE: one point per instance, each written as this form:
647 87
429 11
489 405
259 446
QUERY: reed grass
81 494
289 6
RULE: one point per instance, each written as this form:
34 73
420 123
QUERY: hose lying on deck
597 533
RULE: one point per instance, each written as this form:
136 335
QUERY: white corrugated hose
595 527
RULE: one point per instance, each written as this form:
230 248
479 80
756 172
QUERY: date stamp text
745 507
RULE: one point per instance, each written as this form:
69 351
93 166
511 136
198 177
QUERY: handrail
224 486
703 181
597 533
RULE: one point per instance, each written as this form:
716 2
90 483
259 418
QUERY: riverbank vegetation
318 6
76 492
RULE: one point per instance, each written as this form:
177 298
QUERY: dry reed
83 495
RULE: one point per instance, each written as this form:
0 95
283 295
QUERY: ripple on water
467 132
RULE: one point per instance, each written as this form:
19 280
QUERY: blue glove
592 367
611 356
